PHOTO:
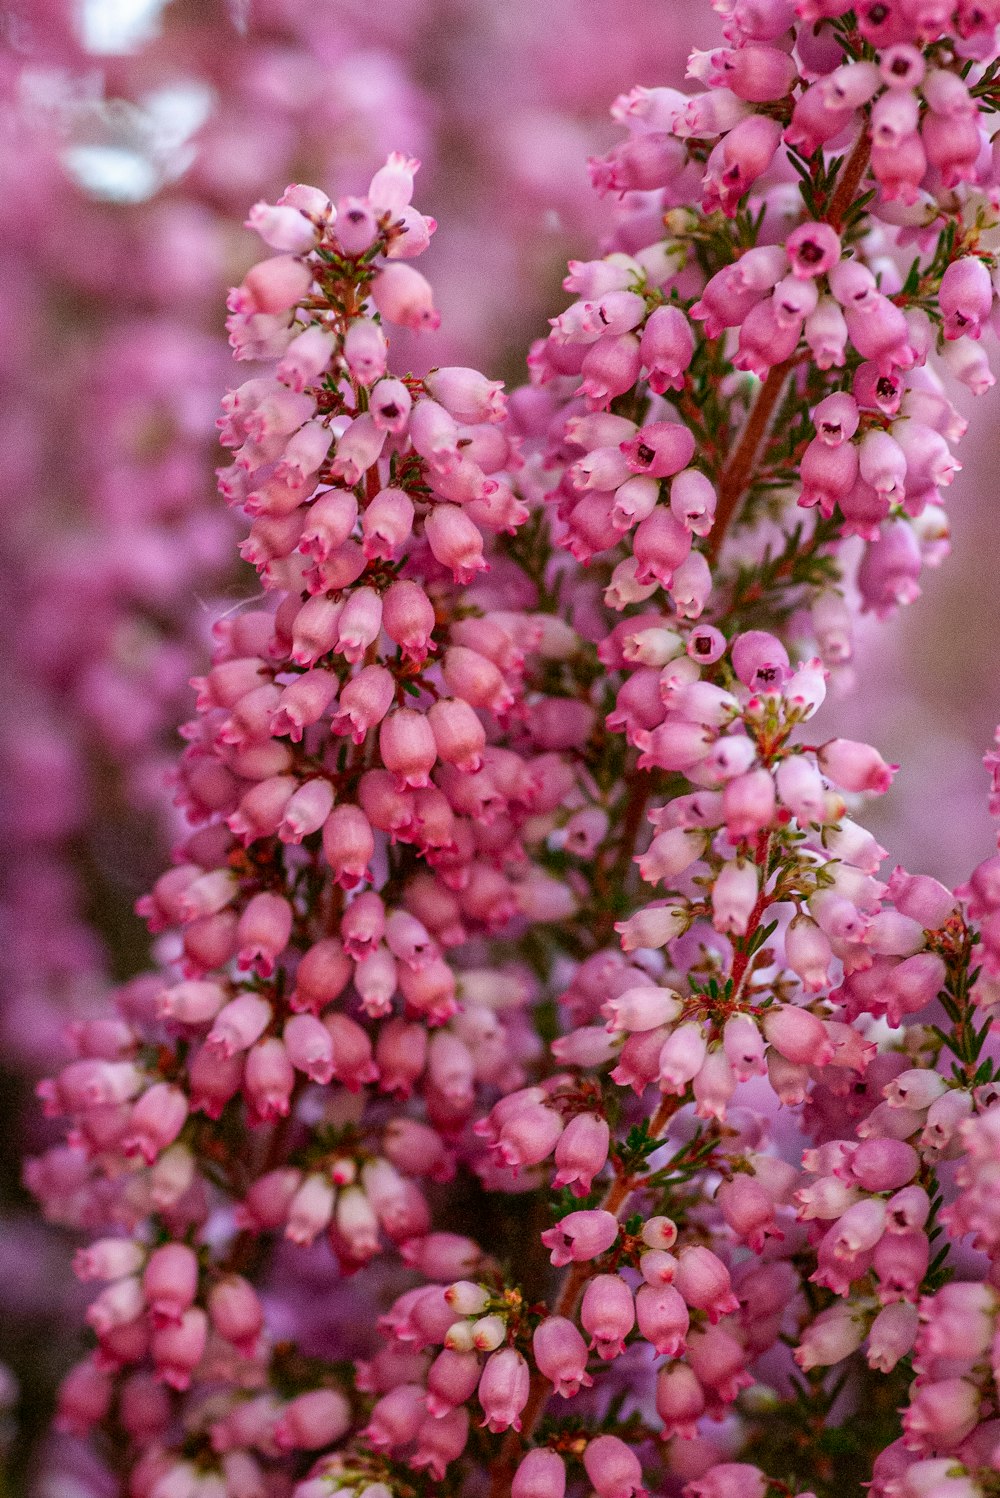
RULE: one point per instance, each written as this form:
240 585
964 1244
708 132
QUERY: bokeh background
135 136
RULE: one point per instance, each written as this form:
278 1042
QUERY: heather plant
540 1091
111 532
128 160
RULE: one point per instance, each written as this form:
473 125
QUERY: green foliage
766 593
807 1441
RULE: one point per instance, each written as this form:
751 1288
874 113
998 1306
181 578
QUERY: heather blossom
518 850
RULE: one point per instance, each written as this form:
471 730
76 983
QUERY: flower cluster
132 145
310 765
515 663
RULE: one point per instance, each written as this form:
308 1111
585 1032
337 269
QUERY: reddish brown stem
850 181
738 469
741 959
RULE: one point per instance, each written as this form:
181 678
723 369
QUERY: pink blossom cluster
114 446
115 557
514 661
280 767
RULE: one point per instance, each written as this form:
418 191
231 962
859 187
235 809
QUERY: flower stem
736 474
850 181
738 469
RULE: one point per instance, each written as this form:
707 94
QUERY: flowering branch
737 473
395 955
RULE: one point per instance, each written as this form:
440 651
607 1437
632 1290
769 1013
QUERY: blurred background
135 136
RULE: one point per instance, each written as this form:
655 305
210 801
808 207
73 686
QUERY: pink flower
312 1420
466 394
540 1474
855 767
831 1337
407 746
729 1480
170 1282
941 1414
561 1355
580 1237
455 541
965 297
607 1312
272 286
703 1280
680 1400
503 1389
581 1152
178 1347
155 1121
662 1316
813 249
403 296
613 1468
283 228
